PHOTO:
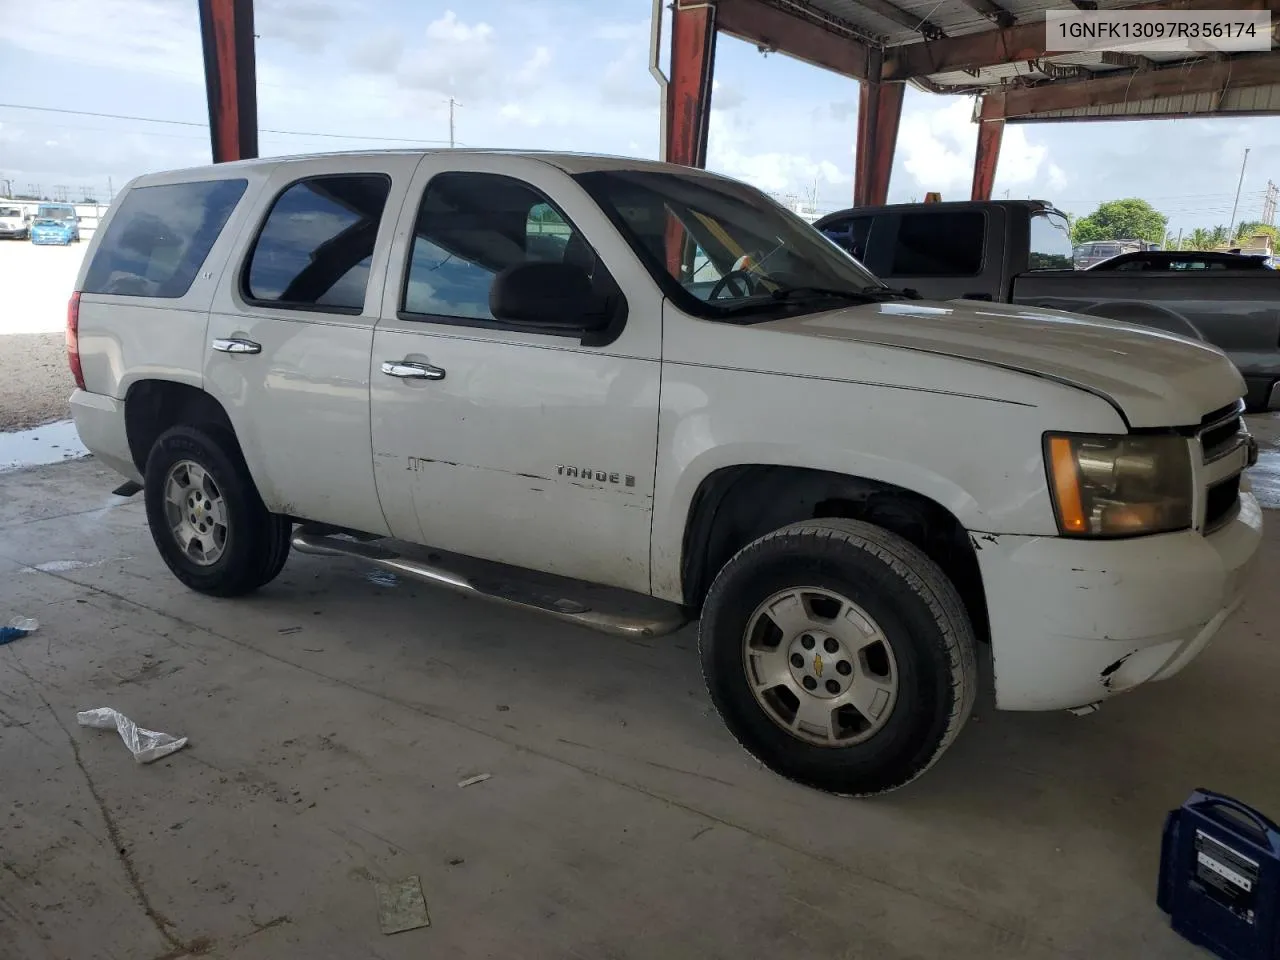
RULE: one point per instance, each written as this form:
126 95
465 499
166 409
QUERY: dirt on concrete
35 382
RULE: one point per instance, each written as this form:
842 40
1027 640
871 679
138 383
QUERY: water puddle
1265 479
52 443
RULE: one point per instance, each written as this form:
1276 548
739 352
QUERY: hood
1157 379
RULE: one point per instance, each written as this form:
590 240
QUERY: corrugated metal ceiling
958 18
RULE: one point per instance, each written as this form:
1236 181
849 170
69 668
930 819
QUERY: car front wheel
839 655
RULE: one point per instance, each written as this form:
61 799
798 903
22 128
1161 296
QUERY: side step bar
664 618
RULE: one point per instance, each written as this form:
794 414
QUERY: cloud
378 53
936 147
535 65
730 151
305 24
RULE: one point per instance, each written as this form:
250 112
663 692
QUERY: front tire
206 517
839 655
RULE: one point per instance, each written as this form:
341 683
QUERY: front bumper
1076 621
18 234
39 236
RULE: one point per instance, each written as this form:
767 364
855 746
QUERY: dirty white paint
51 443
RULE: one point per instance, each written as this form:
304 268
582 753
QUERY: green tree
1198 239
1251 228
1130 219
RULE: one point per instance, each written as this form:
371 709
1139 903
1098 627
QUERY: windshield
10 212
724 249
55 213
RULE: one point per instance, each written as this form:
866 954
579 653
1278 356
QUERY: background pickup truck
1019 251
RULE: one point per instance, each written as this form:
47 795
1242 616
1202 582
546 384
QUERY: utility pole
111 190
1179 238
452 104
1269 205
1231 230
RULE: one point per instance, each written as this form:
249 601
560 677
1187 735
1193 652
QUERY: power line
205 126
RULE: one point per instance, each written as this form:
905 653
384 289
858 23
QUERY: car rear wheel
206 517
839 655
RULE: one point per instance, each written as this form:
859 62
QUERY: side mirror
555 296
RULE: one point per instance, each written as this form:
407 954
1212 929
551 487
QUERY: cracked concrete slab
330 721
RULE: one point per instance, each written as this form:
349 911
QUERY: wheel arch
737 504
152 406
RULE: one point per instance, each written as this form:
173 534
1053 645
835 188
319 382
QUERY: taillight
73 339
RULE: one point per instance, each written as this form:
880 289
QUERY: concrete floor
331 719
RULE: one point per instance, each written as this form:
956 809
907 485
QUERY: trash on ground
383 578
286 631
478 778
145 745
18 628
401 905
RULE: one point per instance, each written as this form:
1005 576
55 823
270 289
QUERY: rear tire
839 655
206 517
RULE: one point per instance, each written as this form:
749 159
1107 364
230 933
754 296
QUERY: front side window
722 248
1050 243
470 227
316 245
942 244
160 236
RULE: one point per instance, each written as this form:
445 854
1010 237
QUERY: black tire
915 606
257 541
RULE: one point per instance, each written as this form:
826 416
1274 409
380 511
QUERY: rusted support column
226 29
985 159
693 54
879 110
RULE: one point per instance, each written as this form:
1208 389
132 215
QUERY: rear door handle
236 345
409 370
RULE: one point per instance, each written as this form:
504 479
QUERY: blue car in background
55 223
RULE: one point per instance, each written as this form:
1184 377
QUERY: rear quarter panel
1237 311
127 339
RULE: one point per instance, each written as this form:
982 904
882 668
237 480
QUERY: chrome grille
1222 431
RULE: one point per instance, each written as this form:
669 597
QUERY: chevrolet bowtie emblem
817 664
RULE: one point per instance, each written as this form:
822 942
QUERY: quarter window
470 227
159 237
316 246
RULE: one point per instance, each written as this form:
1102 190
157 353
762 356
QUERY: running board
525 590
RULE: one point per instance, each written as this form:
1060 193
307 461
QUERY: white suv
627 394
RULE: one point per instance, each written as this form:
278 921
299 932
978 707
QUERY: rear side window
316 245
944 244
470 227
160 236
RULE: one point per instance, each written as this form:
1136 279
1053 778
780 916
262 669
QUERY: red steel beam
226 30
986 158
879 110
1026 41
693 55
804 39
1208 76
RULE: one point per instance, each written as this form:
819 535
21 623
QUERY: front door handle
409 370
236 345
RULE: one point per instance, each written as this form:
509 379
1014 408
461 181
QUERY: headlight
1119 486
